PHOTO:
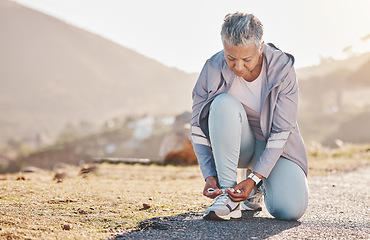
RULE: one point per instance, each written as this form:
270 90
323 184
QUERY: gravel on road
339 208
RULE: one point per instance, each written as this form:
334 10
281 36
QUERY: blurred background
88 80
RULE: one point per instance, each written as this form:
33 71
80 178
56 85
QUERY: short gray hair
242 29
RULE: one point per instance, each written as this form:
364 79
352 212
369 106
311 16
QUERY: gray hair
242 29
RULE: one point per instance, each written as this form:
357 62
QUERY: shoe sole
213 216
245 207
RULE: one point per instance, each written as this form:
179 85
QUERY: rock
146 206
31 169
85 170
59 176
66 227
81 211
176 147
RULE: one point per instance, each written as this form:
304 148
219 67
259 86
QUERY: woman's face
242 60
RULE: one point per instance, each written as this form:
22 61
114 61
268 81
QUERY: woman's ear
261 49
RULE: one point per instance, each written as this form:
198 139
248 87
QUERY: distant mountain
52 73
361 77
330 103
354 130
329 65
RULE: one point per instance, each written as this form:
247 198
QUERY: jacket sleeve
284 121
200 141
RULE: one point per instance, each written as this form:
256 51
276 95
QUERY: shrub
185 156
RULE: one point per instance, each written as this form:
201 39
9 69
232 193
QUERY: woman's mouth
239 73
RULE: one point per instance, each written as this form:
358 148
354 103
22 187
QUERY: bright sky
184 34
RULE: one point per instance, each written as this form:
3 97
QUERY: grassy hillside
53 73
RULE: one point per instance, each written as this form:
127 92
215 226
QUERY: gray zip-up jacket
279 107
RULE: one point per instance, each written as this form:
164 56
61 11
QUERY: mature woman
245 106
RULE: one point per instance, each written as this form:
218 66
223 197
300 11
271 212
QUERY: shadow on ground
193 226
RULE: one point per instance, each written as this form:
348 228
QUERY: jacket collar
278 64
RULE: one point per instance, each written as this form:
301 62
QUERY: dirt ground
109 204
338 209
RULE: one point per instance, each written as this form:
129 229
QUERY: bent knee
224 100
225 103
286 205
286 191
289 212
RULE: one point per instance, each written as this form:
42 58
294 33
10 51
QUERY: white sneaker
223 208
254 202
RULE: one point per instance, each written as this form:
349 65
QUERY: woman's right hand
211 183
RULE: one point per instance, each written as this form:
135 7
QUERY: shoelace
220 199
257 197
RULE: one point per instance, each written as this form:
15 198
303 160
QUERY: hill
360 78
355 130
52 73
336 106
329 65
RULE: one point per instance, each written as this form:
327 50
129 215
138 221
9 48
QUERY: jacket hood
278 64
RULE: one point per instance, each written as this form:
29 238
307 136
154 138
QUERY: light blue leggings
234 145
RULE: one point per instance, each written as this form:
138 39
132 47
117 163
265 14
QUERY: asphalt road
339 208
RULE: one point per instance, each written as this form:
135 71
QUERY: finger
237 187
211 195
207 190
214 190
237 199
211 192
233 192
237 196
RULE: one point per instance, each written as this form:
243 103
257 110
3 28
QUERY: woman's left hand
245 187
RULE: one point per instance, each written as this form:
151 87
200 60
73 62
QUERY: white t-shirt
249 94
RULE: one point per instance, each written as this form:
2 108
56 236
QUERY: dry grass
98 206
323 161
111 200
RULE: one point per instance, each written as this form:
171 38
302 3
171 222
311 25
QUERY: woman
245 106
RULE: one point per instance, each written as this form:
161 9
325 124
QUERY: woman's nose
239 66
